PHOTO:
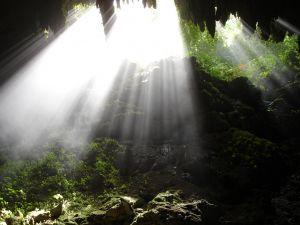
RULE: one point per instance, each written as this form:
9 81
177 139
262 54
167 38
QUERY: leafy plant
27 183
97 168
233 52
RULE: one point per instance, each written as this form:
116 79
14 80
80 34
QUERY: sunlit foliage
235 51
26 183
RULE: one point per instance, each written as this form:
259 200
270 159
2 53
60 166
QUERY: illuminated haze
62 92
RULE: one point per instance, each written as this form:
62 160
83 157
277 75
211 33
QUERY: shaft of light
62 91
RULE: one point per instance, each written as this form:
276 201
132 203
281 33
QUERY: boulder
196 212
115 211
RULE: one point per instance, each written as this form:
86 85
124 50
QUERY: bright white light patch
231 31
63 89
76 70
144 35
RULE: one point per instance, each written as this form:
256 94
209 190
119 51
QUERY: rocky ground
165 208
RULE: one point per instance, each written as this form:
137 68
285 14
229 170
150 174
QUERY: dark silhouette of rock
242 89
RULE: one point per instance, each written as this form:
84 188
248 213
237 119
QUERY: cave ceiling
20 17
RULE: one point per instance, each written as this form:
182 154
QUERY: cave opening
138 112
68 84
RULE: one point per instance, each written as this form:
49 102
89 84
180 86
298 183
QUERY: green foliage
36 180
97 166
58 171
232 53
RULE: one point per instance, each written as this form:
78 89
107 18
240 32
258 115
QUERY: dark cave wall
207 12
18 19
31 14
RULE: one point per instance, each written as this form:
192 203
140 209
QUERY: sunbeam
44 94
246 50
152 96
145 35
64 92
149 112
